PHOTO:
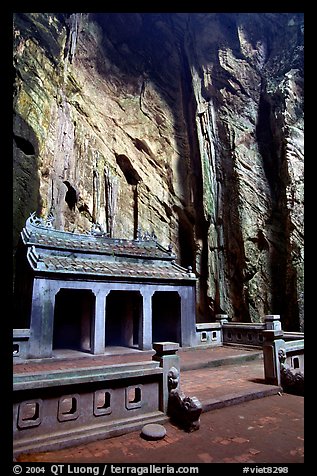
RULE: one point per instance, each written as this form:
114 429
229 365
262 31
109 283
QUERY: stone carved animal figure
183 410
292 381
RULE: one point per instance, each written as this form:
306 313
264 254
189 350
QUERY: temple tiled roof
40 235
54 251
66 264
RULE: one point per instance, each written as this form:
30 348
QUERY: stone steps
239 355
228 376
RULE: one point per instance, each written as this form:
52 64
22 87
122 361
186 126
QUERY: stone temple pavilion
88 292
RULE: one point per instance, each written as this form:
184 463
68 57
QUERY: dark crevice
131 175
132 178
267 146
135 211
282 272
71 196
186 239
24 145
198 229
233 240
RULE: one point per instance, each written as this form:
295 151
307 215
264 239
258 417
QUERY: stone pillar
99 328
166 355
145 327
273 341
42 319
222 319
272 322
188 316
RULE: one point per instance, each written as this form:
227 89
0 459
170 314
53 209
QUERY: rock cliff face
186 125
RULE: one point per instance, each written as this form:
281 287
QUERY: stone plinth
166 355
273 341
272 322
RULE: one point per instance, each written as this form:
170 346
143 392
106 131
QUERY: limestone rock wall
186 125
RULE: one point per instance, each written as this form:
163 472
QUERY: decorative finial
190 272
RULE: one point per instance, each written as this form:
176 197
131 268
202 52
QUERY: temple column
145 327
188 315
98 337
42 319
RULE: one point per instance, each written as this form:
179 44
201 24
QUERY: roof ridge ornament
145 236
190 272
98 230
47 222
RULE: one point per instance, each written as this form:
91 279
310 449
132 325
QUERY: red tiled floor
266 430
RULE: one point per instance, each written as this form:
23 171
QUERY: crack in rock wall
186 125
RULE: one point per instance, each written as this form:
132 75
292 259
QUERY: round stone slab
153 431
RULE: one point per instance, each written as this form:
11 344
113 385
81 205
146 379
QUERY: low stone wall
295 354
67 407
21 343
209 334
291 359
243 333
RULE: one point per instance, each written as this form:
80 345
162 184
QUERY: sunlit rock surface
188 125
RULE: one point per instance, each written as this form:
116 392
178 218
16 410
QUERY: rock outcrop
187 125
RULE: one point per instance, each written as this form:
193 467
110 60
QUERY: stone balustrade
243 333
282 350
267 335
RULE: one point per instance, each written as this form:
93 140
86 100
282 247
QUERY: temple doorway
73 319
166 317
123 313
